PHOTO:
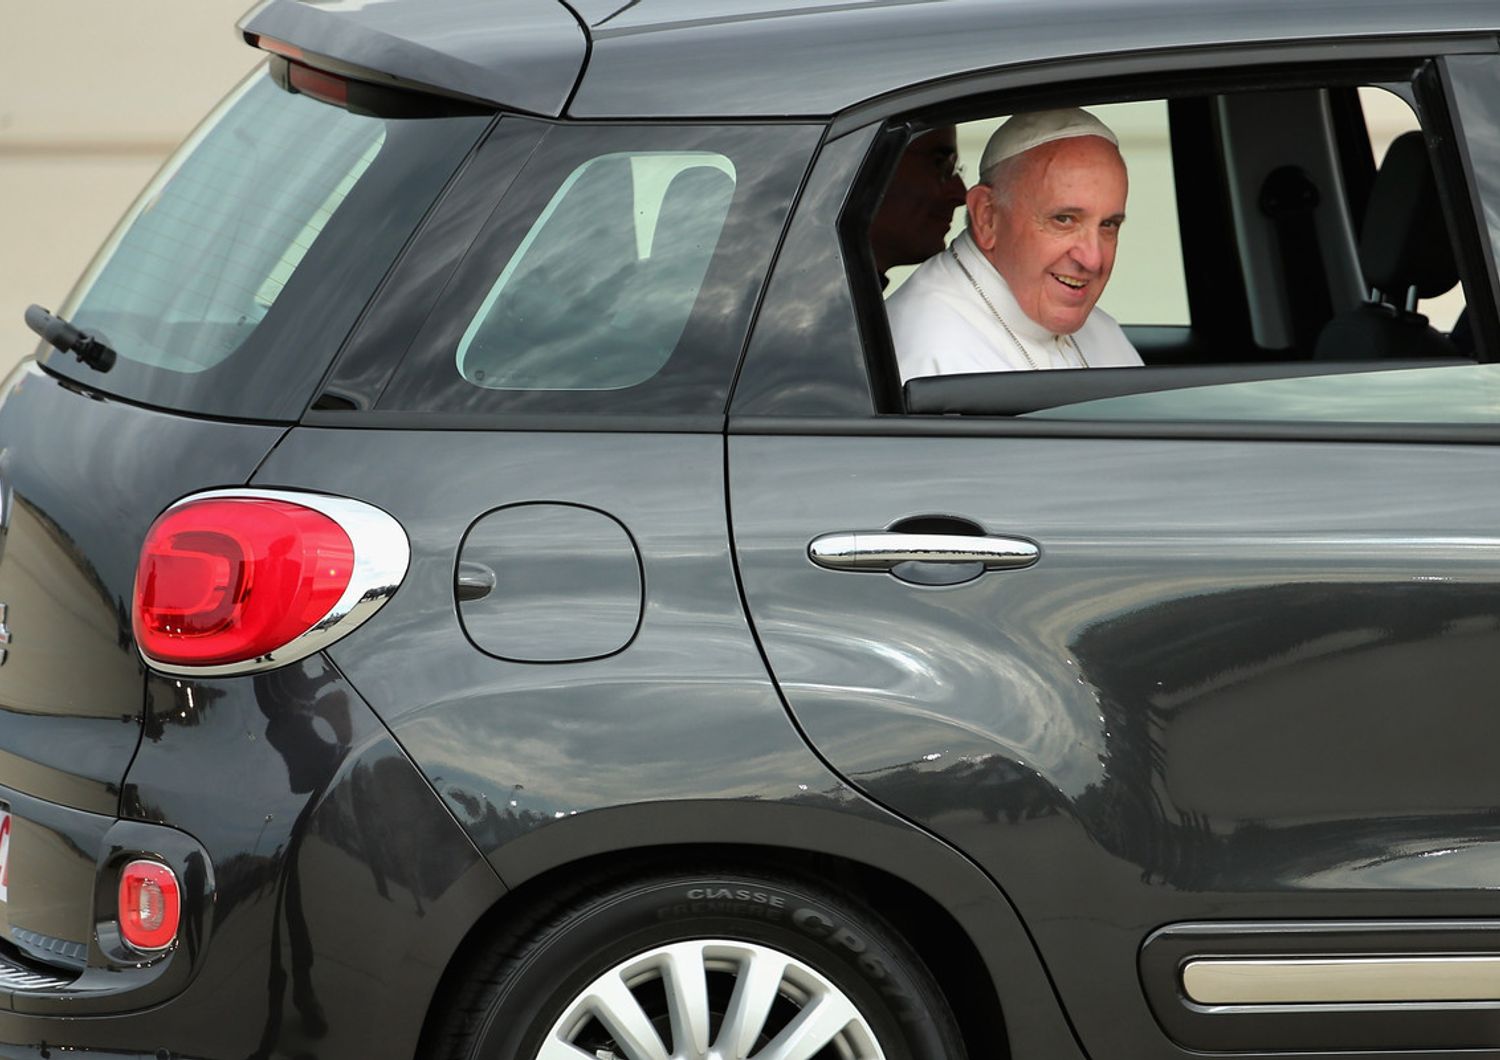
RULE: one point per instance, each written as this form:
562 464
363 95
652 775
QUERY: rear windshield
228 287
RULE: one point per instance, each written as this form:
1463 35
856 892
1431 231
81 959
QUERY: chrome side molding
1342 980
1320 986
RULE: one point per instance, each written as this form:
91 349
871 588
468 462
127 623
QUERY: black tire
837 954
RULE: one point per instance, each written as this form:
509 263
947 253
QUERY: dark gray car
474 583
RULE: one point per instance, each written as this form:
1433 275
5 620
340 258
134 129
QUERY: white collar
998 291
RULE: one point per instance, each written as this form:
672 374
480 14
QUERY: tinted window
616 277
230 283
628 235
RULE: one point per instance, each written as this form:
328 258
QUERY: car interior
1277 229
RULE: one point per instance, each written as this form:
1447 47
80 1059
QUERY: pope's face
1054 236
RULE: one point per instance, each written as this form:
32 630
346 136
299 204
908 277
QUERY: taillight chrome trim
382 554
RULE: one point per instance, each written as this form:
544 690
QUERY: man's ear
981 202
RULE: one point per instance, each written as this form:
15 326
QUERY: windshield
231 282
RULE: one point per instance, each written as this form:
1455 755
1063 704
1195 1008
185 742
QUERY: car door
1205 679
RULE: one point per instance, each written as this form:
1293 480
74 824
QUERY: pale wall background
94 94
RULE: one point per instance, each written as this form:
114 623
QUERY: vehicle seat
1404 254
660 298
544 328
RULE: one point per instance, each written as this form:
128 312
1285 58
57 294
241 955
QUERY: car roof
788 58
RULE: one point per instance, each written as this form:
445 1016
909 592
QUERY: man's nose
1088 250
953 189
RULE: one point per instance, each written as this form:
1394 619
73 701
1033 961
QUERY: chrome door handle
880 550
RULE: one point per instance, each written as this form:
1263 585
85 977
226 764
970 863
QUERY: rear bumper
61 954
326 886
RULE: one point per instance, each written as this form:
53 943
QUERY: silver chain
953 249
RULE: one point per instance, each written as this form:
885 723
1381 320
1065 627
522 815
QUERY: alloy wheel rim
711 999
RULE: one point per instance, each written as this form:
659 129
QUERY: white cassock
941 325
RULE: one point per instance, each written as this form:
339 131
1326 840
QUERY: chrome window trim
382 555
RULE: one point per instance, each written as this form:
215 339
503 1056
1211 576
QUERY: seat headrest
693 208
1405 241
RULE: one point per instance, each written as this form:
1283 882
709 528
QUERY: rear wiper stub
89 349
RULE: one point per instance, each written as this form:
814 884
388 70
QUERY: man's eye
1062 218
947 167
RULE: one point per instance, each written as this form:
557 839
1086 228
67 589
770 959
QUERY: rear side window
229 285
615 278
627 235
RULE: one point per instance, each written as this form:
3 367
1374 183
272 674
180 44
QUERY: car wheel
704 967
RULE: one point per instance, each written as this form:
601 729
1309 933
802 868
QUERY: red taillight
315 83
150 905
279 47
231 579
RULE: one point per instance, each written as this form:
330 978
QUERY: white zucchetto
1022 132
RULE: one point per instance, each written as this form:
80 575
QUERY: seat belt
1291 200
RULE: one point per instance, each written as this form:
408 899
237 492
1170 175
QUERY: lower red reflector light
150 905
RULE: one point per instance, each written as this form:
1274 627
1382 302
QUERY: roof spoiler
529 60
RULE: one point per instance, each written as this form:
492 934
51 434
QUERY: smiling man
1018 290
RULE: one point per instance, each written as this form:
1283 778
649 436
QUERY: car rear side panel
295 824
82 478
